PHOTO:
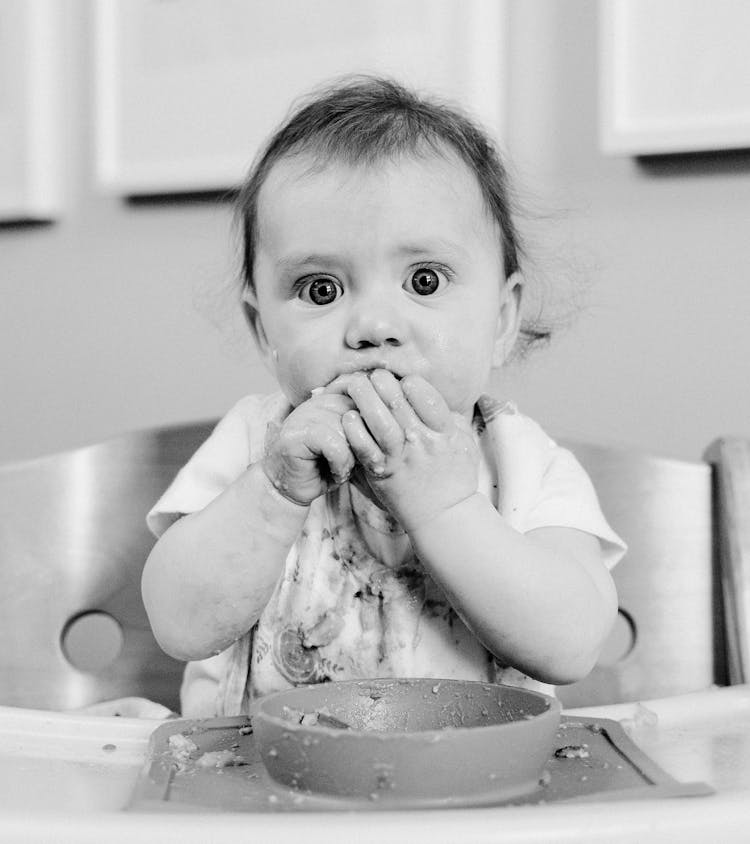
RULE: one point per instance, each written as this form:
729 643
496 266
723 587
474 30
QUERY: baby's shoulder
258 407
504 421
248 418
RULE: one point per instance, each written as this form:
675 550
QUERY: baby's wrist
280 492
277 516
425 521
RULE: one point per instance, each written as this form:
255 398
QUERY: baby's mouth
370 369
366 370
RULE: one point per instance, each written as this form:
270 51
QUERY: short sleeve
567 498
235 443
540 484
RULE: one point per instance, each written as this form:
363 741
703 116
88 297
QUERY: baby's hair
365 119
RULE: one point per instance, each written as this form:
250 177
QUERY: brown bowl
421 741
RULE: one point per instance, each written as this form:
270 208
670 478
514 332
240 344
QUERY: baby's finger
339 385
378 419
362 443
335 402
333 446
427 402
389 389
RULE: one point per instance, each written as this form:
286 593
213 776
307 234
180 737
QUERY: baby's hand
308 453
419 457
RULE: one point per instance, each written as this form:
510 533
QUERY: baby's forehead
311 170
372 211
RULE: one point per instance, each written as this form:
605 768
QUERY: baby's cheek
463 377
299 372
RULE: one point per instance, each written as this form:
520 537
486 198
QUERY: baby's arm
542 602
210 575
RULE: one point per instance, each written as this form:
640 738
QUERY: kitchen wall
658 357
122 315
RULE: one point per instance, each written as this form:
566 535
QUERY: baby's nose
375 322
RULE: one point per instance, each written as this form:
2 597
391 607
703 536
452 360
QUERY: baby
382 515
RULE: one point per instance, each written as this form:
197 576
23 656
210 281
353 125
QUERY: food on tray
573 751
319 717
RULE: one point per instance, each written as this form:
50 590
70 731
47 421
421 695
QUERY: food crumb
643 719
181 748
180 744
573 751
220 759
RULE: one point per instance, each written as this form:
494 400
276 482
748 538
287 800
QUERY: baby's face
396 265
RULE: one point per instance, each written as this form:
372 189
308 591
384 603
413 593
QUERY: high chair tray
214 764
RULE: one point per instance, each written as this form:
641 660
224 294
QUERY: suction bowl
415 741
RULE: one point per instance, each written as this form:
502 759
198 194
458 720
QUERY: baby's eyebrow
433 246
292 262
295 262
426 248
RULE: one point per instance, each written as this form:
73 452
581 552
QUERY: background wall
659 356
121 315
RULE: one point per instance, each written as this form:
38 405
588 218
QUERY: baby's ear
255 324
509 319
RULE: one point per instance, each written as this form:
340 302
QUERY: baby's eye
320 291
425 281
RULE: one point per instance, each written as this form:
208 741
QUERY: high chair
684 585
73 542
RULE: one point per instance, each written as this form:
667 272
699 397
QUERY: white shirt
353 602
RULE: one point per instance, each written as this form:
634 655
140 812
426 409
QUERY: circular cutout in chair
92 641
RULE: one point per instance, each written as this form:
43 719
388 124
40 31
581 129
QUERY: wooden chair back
73 541
684 595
